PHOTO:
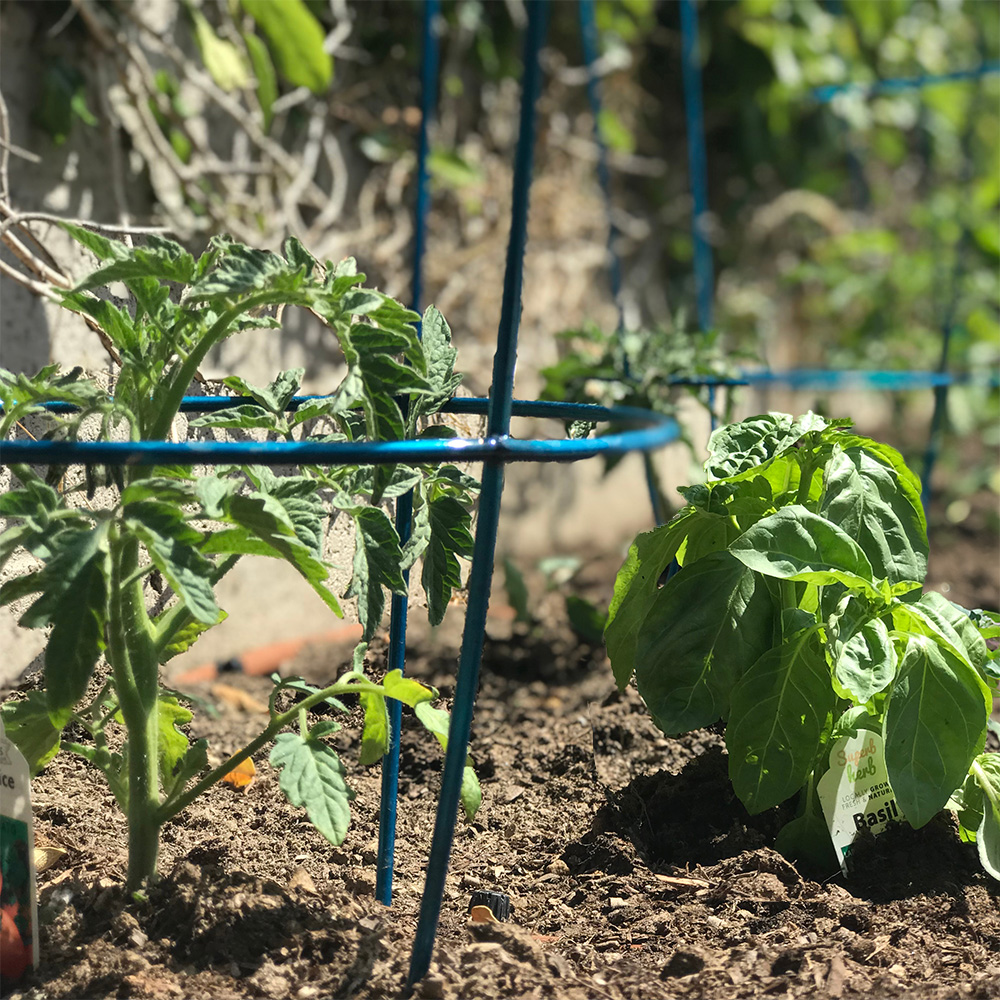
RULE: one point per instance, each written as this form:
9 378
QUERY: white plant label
855 792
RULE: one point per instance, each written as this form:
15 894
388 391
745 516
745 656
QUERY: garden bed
632 869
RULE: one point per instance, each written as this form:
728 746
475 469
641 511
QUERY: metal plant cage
647 431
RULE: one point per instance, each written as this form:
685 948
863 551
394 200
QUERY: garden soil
632 870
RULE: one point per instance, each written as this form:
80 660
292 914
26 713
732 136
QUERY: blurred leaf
448 168
296 39
263 70
222 59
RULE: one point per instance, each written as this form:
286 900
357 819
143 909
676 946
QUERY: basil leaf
778 712
706 625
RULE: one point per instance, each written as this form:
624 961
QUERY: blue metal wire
657 431
694 116
828 92
498 423
697 160
588 34
398 605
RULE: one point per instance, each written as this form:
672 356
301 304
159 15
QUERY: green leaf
805 841
77 637
159 258
435 335
778 712
937 617
420 535
115 322
183 639
866 662
375 734
935 724
296 39
295 253
737 448
222 59
437 721
263 70
72 550
172 744
864 498
517 592
244 418
172 546
269 531
29 725
376 565
986 769
796 544
312 777
194 761
635 589
585 619
706 626
240 270
100 246
450 538
278 393
407 690
298 684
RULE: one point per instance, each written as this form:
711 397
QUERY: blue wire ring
657 430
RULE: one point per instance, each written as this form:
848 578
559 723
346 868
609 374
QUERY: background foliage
845 233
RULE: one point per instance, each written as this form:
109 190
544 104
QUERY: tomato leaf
376 566
29 725
312 777
450 538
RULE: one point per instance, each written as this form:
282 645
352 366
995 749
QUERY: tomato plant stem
136 672
173 806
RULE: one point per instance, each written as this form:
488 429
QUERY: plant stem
805 482
173 806
136 673
171 395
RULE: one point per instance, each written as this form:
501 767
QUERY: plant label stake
855 793
18 895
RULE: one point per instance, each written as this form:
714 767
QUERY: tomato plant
798 616
91 563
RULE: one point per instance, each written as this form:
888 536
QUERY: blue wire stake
697 161
588 36
404 505
498 426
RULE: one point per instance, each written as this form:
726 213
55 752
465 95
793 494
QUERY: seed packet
18 898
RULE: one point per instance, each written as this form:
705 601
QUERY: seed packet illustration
18 901
855 793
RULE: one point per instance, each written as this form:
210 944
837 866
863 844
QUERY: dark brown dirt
632 870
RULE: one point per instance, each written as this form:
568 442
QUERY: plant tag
855 792
18 895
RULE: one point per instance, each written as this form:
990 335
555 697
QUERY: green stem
173 806
136 673
171 396
805 483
